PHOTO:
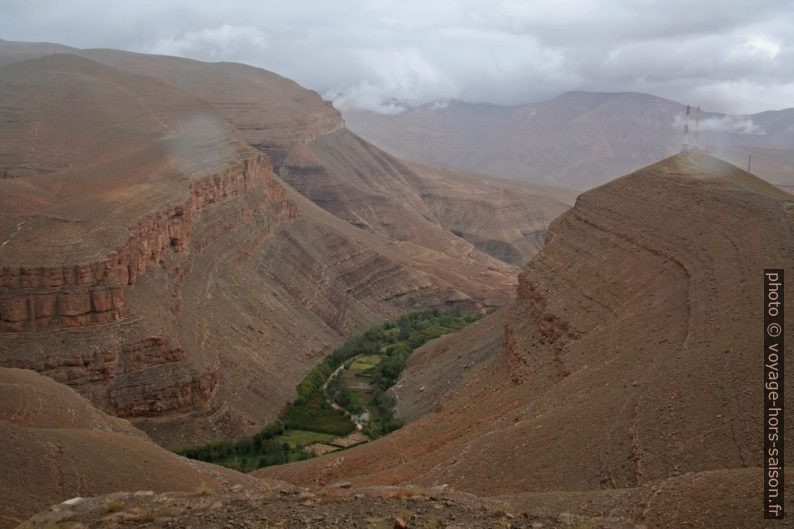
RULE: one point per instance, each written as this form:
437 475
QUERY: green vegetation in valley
316 415
261 450
397 340
376 358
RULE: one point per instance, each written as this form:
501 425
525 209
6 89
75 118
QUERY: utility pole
749 159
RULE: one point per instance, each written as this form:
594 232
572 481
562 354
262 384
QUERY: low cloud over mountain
370 54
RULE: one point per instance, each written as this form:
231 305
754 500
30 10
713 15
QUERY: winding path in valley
333 404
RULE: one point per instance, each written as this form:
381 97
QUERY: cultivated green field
366 362
301 438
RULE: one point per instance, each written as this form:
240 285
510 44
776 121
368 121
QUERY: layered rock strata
33 298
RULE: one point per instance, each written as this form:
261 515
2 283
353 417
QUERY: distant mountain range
579 139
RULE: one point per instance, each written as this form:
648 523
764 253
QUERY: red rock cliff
40 297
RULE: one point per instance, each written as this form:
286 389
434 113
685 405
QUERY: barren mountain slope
629 366
19 51
267 111
322 160
438 366
578 140
185 286
456 213
63 447
503 218
308 144
159 180
310 148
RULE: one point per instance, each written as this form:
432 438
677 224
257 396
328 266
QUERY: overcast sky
727 55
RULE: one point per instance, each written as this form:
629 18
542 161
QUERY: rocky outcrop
163 392
40 297
283 505
325 120
147 378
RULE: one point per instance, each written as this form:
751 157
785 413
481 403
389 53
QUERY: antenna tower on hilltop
696 143
686 146
685 142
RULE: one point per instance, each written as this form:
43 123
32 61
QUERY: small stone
400 523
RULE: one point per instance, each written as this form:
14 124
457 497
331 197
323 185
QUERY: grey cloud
222 43
735 124
738 124
729 55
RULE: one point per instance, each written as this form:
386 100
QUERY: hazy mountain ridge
578 140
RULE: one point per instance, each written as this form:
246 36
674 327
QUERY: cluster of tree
249 453
368 343
312 412
317 415
339 392
399 340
